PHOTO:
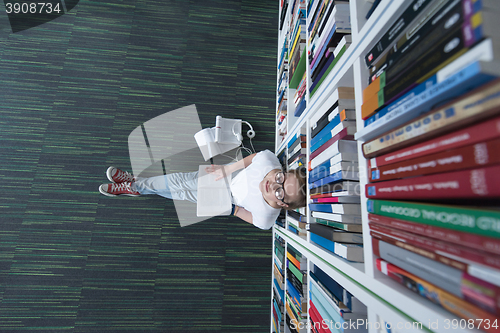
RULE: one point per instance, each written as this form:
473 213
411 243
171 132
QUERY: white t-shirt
246 192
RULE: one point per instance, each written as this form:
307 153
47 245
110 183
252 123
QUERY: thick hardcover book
341 166
481 103
341 218
336 289
411 46
458 77
326 70
474 183
337 147
344 199
440 275
473 156
351 252
335 235
338 208
479 221
345 114
317 319
450 48
338 176
481 243
448 301
335 160
341 226
412 12
343 131
345 187
459 257
484 131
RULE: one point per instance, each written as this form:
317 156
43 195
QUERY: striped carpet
72 90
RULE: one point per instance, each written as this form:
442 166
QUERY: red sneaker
112 190
116 175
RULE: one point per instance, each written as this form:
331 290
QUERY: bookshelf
385 299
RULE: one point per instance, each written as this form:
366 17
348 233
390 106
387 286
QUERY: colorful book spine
480 154
479 104
446 253
474 183
481 243
463 309
482 222
484 131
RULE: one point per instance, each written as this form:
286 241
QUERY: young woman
260 189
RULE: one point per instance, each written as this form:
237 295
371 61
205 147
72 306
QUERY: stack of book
435 52
332 306
297 223
296 290
328 37
432 85
297 42
334 177
297 150
282 92
300 96
278 284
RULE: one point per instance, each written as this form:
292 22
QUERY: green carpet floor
72 90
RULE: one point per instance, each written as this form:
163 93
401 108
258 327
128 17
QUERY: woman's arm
240 164
223 171
244 214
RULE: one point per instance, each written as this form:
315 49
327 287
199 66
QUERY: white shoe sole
108 174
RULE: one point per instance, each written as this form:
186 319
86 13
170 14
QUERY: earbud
250 134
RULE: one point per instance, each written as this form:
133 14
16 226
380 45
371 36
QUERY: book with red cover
462 308
487 130
316 318
474 183
484 295
342 135
462 253
478 242
472 156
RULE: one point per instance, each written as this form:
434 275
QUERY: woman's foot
116 175
113 189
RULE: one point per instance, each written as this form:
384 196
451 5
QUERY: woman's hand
218 170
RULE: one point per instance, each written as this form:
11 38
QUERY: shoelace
121 187
123 175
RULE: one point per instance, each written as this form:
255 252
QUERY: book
411 13
341 226
344 199
456 78
346 187
323 171
448 49
479 104
484 131
338 208
461 258
351 252
480 221
344 130
318 123
464 184
338 147
448 301
440 275
482 243
479 154
327 68
335 235
336 177
342 218
421 38
350 159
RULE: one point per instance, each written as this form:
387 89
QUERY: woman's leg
176 186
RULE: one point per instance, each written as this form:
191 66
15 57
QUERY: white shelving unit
383 297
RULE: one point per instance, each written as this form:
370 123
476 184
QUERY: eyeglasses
280 191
